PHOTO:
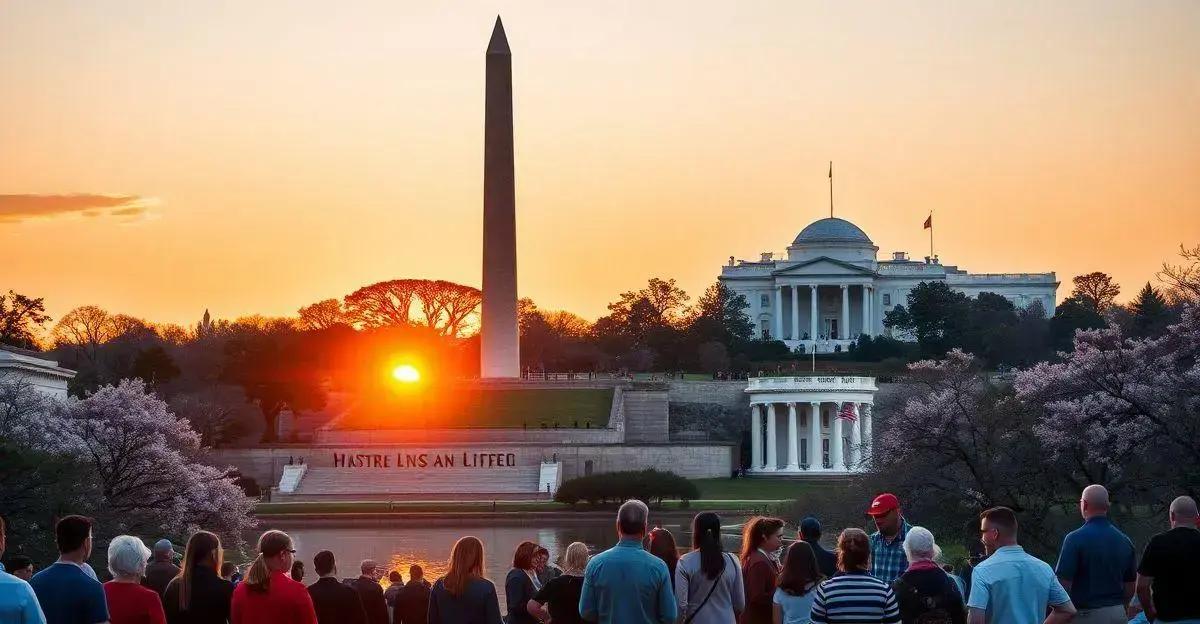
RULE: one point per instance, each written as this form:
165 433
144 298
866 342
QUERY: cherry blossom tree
140 467
1124 412
955 441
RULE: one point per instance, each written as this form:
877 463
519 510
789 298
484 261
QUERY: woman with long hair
660 543
521 584
268 595
199 595
797 584
853 594
708 581
129 602
761 540
463 596
562 592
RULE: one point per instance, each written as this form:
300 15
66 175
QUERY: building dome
831 230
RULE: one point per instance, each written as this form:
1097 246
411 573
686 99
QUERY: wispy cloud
15 208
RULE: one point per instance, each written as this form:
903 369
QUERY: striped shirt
855 597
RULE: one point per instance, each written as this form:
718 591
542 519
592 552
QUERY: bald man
1097 564
1169 575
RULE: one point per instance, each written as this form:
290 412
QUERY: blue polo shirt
1014 587
627 585
18 603
1098 559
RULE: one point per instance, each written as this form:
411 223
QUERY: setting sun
406 373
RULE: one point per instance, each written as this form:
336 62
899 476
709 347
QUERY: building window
804 451
825 421
803 419
764 301
825 453
887 299
587 468
766 331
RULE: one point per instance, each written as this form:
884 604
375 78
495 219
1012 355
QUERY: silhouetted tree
276 370
1070 315
323 314
1183 279
1096 290
21 318
1150 315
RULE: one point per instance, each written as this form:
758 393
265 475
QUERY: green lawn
462 407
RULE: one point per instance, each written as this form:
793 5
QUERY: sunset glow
406 373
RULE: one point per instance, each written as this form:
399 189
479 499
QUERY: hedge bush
615 487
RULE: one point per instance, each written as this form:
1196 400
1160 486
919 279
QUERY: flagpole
931 236
831 189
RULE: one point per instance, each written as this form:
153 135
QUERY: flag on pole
831 170
929 222
847 412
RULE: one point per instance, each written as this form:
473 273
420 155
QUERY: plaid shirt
887 560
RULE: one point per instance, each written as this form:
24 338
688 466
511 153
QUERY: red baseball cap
883 503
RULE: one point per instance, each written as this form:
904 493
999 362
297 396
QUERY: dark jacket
158 575
336 603
518 590
477 604
759 576
826 560
208 602
925 590
373 603
412 603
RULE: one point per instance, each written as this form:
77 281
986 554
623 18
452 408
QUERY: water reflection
397 548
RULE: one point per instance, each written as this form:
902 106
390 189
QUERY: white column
855 454
866 324
772 441
844 330
755 437
812 320
814 438
867 416
835 443
795 313
779 313
793 448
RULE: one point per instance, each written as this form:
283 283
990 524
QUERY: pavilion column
772 441
855 455
844 330
793 447
778 313
835 444
812 319
866 311
815 461
795 313
865 413
756 437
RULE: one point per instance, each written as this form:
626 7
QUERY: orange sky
274 154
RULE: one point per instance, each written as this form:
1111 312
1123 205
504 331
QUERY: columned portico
827 398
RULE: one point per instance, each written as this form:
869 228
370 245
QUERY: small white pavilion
812 425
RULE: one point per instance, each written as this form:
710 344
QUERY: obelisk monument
499 349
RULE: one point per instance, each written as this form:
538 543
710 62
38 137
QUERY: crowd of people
891 575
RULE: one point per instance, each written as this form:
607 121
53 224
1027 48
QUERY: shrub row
614 487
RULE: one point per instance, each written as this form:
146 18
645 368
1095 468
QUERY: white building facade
27 367
810 425
831 289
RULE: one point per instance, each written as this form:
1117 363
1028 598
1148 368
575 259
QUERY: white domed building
831 288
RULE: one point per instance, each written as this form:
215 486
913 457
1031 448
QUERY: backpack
934 608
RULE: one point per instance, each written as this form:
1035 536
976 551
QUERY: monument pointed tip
499 42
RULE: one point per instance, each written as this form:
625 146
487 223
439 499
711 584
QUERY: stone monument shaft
500 350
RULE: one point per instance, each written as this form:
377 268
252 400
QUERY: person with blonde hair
199 595
129 602
268 595
463 596
854 595
562 592
924 590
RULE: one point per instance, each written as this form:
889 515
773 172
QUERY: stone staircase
435 484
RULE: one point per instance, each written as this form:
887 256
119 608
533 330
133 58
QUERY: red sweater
285 602
130 603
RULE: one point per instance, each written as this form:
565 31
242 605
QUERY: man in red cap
887 543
